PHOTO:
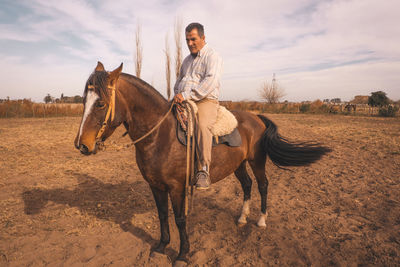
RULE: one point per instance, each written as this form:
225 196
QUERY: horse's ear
115 74
99 66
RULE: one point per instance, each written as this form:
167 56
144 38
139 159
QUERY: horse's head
99 118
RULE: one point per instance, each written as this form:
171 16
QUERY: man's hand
178 98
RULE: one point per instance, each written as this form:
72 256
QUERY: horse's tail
285 153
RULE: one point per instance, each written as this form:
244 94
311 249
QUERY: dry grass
315 107
27 109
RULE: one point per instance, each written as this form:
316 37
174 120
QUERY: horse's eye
100 104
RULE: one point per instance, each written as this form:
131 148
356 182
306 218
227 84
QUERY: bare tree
138 55
168 67
178 45
271 92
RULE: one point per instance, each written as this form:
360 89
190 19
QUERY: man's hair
195 25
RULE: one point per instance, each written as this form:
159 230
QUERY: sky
317 49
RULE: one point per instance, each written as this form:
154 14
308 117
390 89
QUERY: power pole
273 82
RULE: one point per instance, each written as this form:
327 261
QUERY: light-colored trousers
207 116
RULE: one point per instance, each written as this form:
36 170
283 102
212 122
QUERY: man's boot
203 180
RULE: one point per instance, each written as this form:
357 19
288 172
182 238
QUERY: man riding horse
115 98
199 81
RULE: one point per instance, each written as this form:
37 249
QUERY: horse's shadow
113 202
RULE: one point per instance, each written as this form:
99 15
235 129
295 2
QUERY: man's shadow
113 202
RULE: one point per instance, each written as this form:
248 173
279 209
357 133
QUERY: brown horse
115 98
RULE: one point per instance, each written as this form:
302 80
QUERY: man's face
194 42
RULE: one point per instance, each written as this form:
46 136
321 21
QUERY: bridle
111 111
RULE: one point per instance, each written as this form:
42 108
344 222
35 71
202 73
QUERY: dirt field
60 208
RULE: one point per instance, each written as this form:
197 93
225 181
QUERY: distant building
360 99
69 99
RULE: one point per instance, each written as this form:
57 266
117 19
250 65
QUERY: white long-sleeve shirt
200 76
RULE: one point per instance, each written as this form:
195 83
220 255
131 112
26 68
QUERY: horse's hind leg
245 181
258 167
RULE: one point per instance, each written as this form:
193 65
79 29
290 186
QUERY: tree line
63 99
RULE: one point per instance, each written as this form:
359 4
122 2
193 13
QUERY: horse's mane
99 80
143 86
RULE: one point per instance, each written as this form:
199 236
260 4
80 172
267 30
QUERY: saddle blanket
224 130
233 139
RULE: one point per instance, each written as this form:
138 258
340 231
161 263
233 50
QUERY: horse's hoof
261 224
158 255
155 253
159 249
242 221
240 224
159 259
180 264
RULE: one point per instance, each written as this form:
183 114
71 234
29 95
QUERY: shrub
325 108
315 107
388 111
304 108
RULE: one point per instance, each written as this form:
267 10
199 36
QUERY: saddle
224 130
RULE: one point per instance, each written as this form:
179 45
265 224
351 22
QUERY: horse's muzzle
84 149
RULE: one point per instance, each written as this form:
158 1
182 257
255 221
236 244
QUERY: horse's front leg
177 199
161 198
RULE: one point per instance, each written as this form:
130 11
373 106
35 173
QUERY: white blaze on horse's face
91 98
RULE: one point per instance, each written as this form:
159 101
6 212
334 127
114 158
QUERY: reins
155 127
190 156
111 110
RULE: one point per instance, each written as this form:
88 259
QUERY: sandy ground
60 208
